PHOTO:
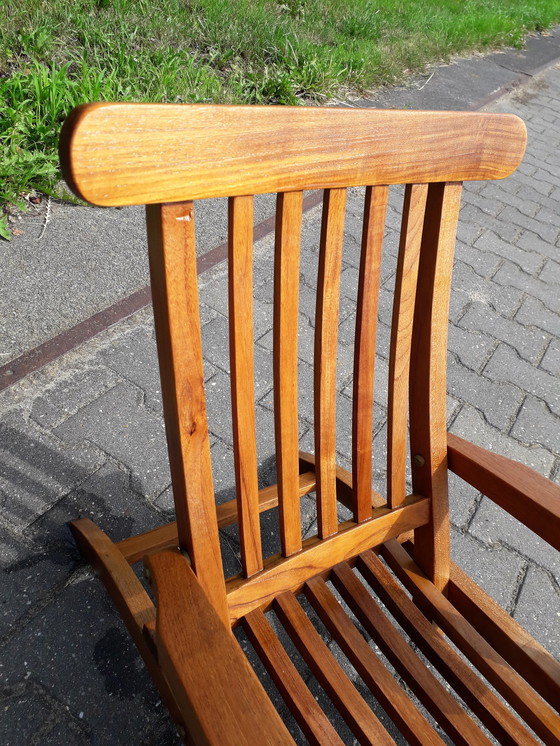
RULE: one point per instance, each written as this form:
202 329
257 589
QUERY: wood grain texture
308 714
535 711
242 374
428 431
346 698
370 668
473 690
508 638
119 154
364 349
166 537
285 366
289 574
431 693
528 496
172 252
218 693
401 340
325 358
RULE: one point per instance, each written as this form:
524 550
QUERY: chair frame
167 156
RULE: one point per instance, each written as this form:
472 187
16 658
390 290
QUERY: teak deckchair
167 156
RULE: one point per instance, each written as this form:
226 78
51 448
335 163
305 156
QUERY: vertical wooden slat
240 242
286 294
326 338
428 436
364 349
172 251
401 340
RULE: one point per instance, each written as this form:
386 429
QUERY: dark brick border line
39 356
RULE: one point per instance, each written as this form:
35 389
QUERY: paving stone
469 424
529 342
497 400
506 365
463 500
529 260
504 300
541 226
122 427
483 262
23 715
538 609
531 242
30 574
551 359
67 394
134 357
497 570
77 648
536 424
493 526
472 347
37 469
500 191
534 312
551 272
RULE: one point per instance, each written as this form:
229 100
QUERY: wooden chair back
168 156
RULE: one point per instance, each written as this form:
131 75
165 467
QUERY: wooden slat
218 692
326 351
377 678
290 573
344 490
401 340
534 710
241 343
117 154
360 718
315 725
286 292
516 645
431 693
166 537
428 432
473 691
127 593
364 349
172 251
528 496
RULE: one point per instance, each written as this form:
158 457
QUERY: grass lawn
55 54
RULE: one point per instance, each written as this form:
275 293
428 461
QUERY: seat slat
240 257
517 646
428 435
364 349
379 680
172 252
315 725
535 711
353 708
325 356
435 698
285 331
401 340
473 691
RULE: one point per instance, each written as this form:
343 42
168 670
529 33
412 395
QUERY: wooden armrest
531 498
218 693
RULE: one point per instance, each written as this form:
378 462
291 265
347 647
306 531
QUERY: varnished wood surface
242 374
428 431
282 574
528 496
172 253
285 366
535 711
119 154
220 697
364 349
166 537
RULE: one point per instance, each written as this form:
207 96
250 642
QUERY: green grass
55 54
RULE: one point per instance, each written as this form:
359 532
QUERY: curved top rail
124 154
